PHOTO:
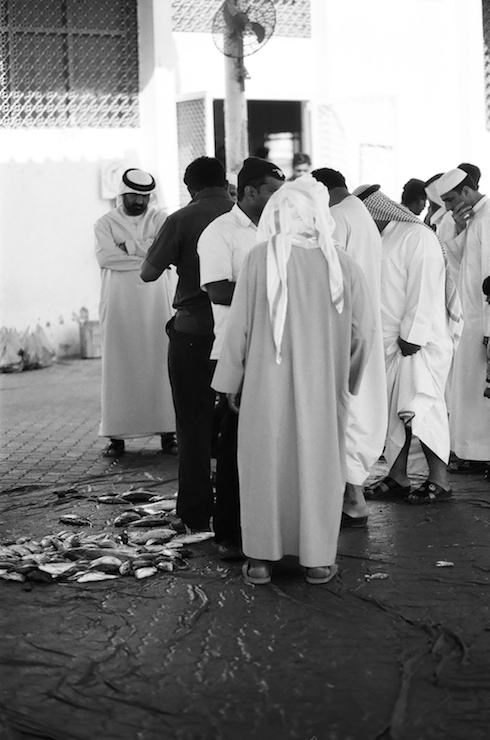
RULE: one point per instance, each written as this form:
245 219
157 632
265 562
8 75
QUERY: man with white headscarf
421 320
356 233
440 219
297 341
136 398
469 410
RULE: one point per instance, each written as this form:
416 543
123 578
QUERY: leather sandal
386 489
169 444
429 493
324 574
352 521
467 467
114 449
257 575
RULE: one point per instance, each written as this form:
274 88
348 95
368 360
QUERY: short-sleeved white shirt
222 248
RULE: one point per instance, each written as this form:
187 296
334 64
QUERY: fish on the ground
127 517
150 521
80 521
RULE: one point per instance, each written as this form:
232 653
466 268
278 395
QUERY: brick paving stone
49 427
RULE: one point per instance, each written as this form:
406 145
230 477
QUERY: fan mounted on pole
242 27
239 28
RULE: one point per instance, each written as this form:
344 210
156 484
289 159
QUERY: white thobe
469 411
291 425
413 308
222 247
136 398
357 234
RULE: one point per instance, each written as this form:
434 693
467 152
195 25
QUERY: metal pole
236 118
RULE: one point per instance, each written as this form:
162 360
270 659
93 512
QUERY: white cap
450 180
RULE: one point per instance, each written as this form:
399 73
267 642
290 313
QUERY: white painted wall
420 62
51 195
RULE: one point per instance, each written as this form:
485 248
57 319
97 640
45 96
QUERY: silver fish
76 520
165 565
95 575
150 521
126 518
137 496
12 576
145 572
125 568
188 539
107 564
157 506
55 569
139 538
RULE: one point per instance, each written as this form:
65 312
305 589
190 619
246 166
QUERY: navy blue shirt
176 244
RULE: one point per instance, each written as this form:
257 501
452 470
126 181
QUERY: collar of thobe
478 206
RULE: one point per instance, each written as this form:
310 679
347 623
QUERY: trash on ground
444 564
376 576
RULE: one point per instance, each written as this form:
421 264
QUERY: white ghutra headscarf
297 215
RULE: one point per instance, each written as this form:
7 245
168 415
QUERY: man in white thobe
469 410
420 323
136 397
356 233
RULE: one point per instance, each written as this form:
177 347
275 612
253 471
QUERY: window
293 17
68 63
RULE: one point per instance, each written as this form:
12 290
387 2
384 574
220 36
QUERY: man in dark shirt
191 334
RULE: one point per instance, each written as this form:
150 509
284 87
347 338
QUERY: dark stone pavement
197 654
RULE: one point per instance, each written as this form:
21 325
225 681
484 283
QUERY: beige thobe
293 415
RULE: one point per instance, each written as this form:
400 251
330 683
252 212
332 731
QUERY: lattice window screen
486 56
293 16
68 63
191 127
331 140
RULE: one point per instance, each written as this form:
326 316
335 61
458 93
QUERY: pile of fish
148 545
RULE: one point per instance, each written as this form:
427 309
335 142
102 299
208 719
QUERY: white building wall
404 73
51 195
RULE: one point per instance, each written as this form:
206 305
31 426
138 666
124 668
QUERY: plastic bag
38 350
11 351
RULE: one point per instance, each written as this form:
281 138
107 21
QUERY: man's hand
122 246
407 348
233 401
461 214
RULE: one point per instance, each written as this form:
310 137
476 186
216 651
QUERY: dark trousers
190 371
226 519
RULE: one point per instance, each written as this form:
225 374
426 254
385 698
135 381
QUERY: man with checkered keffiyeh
422 322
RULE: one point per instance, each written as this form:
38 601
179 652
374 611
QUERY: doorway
275 130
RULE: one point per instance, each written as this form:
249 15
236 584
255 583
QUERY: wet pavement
196 654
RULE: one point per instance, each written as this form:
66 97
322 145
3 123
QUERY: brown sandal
386 489
114 449
429 493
